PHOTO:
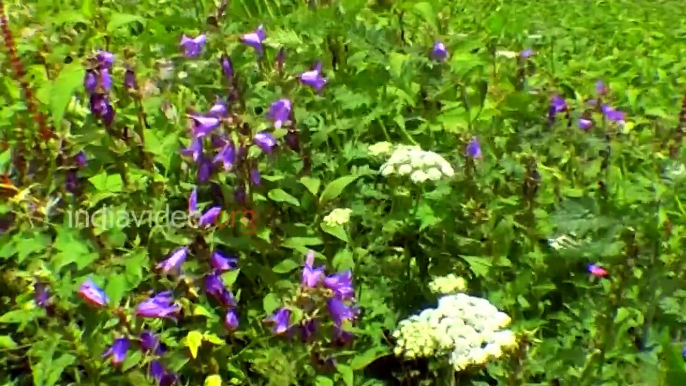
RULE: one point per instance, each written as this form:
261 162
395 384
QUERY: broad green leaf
323 381
199 310
347 374
299 243
213 380
120 19
110 183
337 231
270 303
285 266
87 8
116 287
675 374
312 184
69 80
193 341
427 12
363 359
22 316
6 341
479 265
214 339
343 260
335 188
279 195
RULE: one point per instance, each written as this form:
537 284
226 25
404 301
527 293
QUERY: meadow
342 192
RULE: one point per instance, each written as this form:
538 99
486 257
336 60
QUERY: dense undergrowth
346 192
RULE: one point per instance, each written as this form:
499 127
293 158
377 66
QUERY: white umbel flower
418 164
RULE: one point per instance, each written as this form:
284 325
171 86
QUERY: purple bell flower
280 112
193 47
314 78
214 286
204 169
91 293
613 115
194 149
527 53
231 320
585 124
227 155
159 306
90 81
308 329
162 375
255 39
80 159
265 141
311 277
174 262
117 351
105 59
71 184
204 125
193 201
557 105
42 295
281 320
340 312
341 285
227 66
105 80
474 149
209 217
439 52
130 80
150 343
221 262
219 109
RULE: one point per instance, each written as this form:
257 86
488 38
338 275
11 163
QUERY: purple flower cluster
338 295
149 344
98 84
559 105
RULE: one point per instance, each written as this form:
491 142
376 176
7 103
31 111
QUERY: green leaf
323 381
312 184
479 265
335 188
111 183
22 316
230 277
271 302
676 371
213 380
87 8
279 195
285 266
337 231
347 374
299 243
193 341
6 341
362 360
57 367
343 260
427 12
121 19
116 287
69 80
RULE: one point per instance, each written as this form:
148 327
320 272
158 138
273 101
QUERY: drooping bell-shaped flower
341 284
204 169
227 155
474 149
159 306
41 295
280 319
204 125
105 80
219 109
311 277
194 149
613 114
80 159
265 141
117 351
105 60
102 109
255 39
585 124
308 329
130 80
90 81
210 217
193 201
163 376
227 66
557 105
174 262
280 112
340 312
314 78
149 342
527 53
193 47
221 262
91 293
231 319
597 271
439 52
214 286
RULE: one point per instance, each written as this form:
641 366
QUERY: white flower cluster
570 241
466 329
338 217
381 148
447 284
420 165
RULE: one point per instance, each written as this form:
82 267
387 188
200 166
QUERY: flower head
193 47
311 277
90 292
280 112
80 159
158 306
194 149
613 114
314 78
439 51
204 125
265 141
231 319
193 201
149 342
90 81
162 375
105 80
227 66
42 295
474 149
210 217
255 39
585 124
227 155
255 177
527 53
105 59
341 284
117 351
281 320
222 262
600 88
340 311
597 271
214 286
174 262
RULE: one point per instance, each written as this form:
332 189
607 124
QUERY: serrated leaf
193 341
199 310
285 266
110 183
427 12
230 277
214 339
213 380
279 195
479 265
69 80
312 184
335 188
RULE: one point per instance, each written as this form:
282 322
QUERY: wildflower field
342 192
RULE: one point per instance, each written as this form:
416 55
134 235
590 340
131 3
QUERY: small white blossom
337 217
412 161
380 148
